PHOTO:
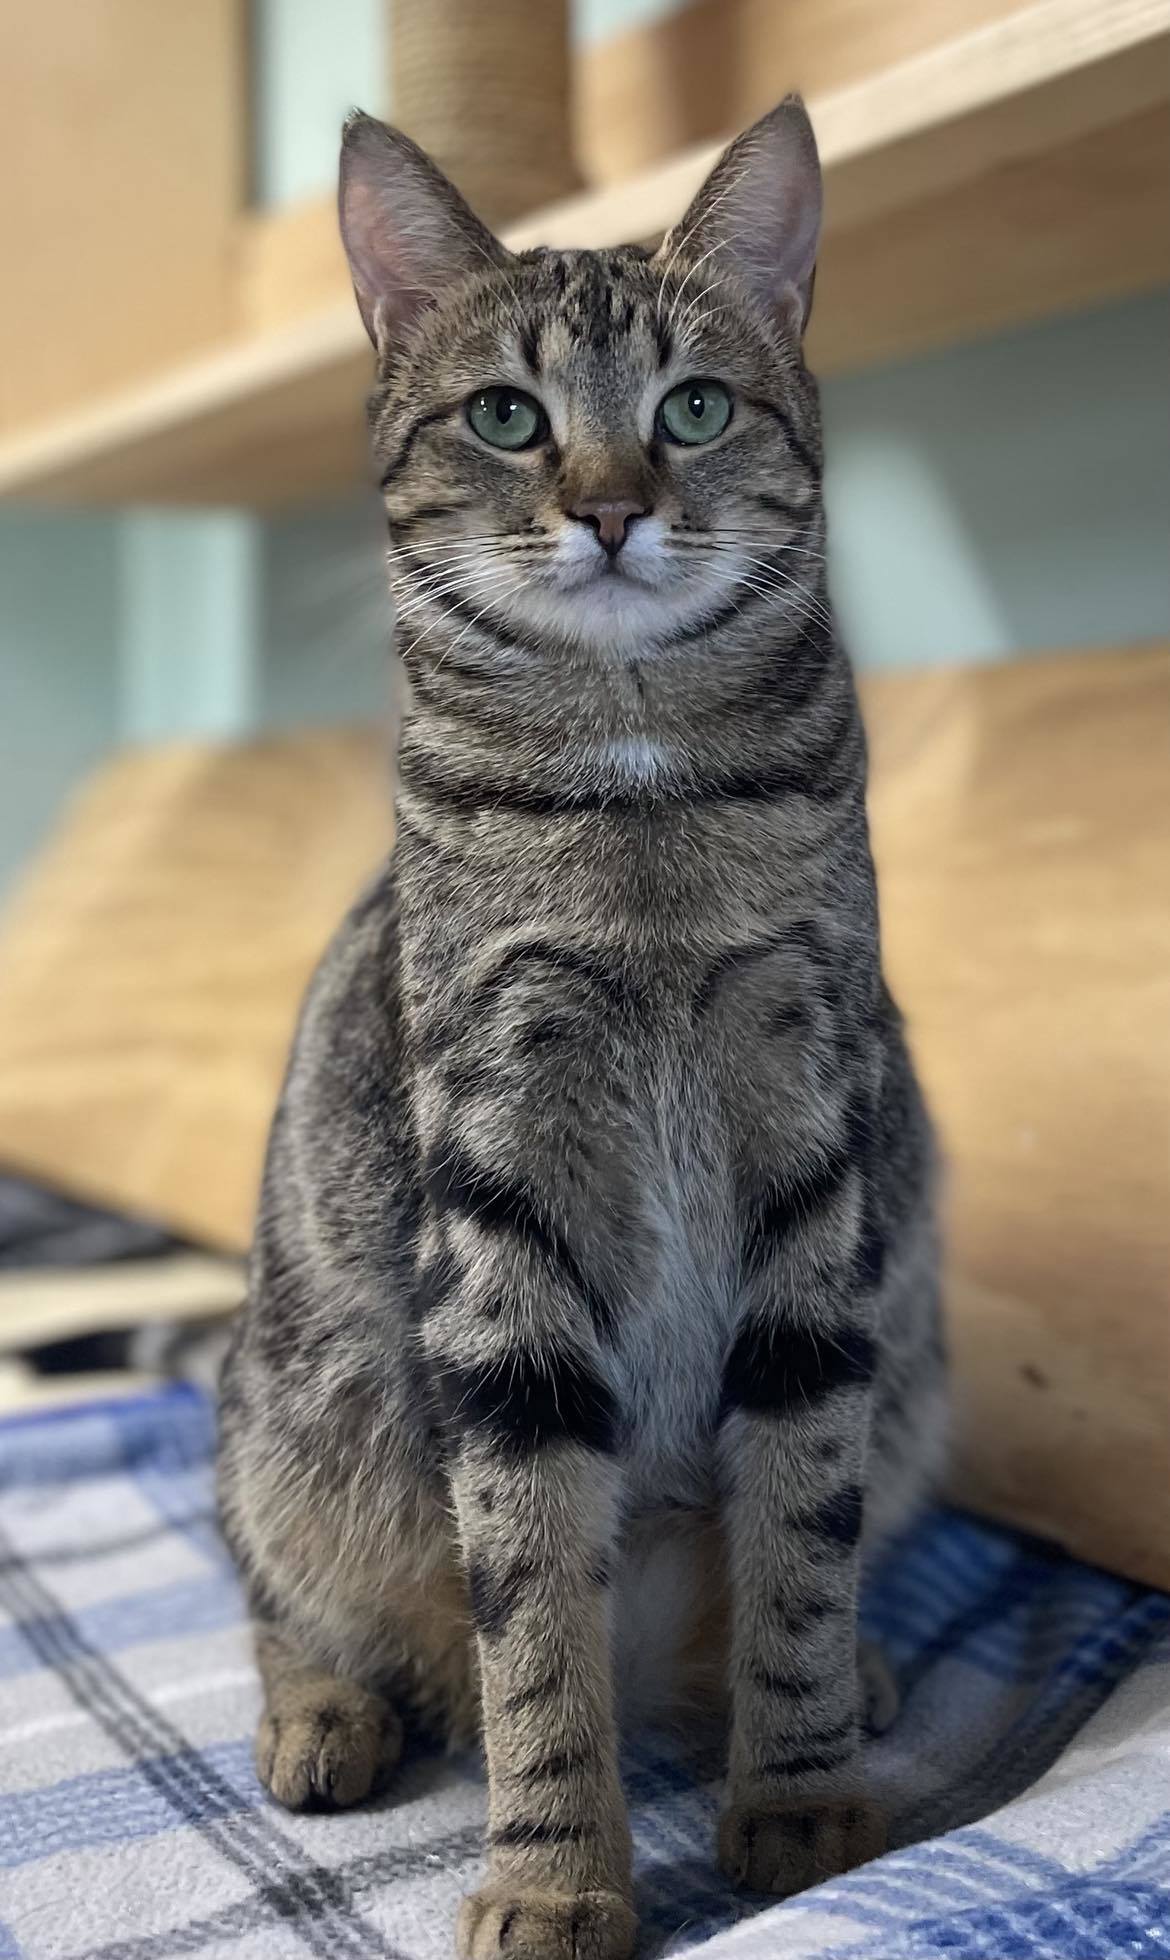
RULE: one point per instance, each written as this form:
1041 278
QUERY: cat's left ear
760 212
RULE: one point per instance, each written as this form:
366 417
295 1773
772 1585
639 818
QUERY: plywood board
123 157
1023 849
151 969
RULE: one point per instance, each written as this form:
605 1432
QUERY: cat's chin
610 612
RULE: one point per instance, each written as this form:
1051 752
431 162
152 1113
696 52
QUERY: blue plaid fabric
1028 1774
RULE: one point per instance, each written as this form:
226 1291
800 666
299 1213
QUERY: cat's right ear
407 232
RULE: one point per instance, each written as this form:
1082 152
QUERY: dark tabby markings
810 1765
838 1519
425 776
578 962
745 600
422 514
458 693
870 1258
495 1593
542 1689
434 1284
799 448
545 1031
466 1077
431 1041
498 1204
828 1751
775 1368
800 668
534 1830
773 779
820 774
800 1620
781 507
788 1018
528 1402
530 346
801 1193
790 1686
733 959
551 1769
402 453
467 612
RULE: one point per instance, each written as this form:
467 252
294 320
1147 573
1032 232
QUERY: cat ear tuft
406 230
760 212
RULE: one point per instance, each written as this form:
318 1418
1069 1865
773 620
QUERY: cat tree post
486 90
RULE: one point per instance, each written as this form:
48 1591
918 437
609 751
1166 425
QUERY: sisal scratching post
485 89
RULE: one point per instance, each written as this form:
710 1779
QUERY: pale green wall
193 605
1009 495
325 654
59 613
312 63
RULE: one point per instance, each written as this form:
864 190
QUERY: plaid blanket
1028 1774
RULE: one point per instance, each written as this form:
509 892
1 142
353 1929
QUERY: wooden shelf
1014 170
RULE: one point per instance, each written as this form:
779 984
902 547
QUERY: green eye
695 411
507 418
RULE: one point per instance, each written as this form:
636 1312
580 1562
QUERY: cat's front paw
785 1848
507 1920
325 1755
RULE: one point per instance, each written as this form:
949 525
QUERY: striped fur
597 1241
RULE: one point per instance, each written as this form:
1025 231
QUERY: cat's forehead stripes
589 300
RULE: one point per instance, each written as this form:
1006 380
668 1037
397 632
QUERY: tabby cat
593 1306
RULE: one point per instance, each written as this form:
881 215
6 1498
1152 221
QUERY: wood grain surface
1020 820
151 969
124 161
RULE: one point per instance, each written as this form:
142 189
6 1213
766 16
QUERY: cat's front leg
796 1395
531 1431
538 1524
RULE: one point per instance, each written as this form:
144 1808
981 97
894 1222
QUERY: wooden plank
24 1392
38 1306
687 77
270 420
123 152
1024 857
1077 225
952 209
290 264
194 888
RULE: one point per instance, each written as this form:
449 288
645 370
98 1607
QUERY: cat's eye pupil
507 418
695 412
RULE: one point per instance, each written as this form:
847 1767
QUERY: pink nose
610 518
